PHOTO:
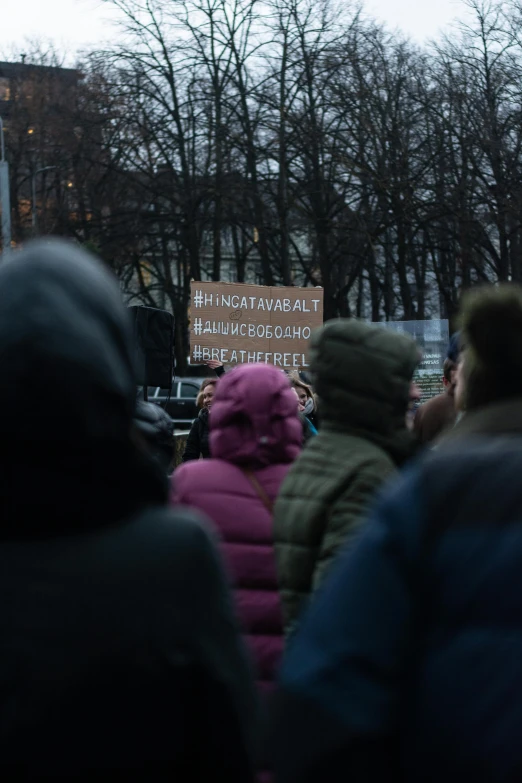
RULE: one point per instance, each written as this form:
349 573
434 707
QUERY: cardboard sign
237 323
432 338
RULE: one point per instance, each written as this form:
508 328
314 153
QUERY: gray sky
420 19
76 23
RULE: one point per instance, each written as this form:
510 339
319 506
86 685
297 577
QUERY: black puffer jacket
197 440
119 656
157 429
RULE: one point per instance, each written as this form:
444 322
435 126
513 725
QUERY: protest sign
236 323
432 338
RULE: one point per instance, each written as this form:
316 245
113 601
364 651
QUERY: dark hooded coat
118 648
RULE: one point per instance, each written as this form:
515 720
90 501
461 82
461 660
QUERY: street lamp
2 142
38 171
4 194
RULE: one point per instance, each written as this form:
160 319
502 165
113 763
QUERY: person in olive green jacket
362 378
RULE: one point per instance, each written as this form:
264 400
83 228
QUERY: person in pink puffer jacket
255 435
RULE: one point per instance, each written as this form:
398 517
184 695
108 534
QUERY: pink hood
254 418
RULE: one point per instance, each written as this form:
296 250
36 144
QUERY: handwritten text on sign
236 323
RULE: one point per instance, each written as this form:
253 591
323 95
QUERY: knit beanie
491 333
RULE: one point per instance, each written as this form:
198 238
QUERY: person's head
454 348
254 418
415 398
363 375
66 346
449 374
67 358
415 393
460 388
491 359
304 393
206 393
300 404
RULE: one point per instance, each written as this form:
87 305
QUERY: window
189 390
5 89
165 392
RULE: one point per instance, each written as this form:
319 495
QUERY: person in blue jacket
408 665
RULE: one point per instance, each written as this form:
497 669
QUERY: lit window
5 90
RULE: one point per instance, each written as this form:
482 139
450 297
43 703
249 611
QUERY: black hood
65 346
67 394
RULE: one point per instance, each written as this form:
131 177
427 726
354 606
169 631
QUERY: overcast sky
76 23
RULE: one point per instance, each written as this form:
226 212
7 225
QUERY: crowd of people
321 591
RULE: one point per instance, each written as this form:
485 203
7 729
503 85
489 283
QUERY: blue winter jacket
408 665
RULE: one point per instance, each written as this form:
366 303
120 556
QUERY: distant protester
306 398
119 656
308 428
406 667
198 438
454 348
217 366
439 414
460 390
363 376
413 403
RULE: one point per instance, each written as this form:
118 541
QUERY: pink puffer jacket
253 425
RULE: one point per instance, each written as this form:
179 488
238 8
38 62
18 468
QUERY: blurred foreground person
407 667
198 438
256 435
363 375
118 654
